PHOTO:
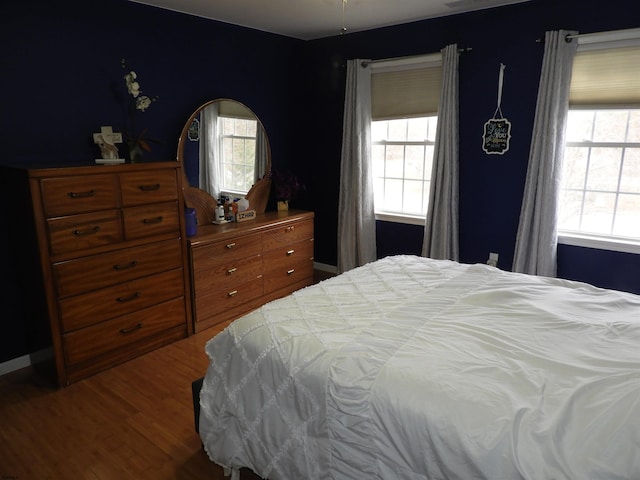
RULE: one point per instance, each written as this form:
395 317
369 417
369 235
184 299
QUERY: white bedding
411 368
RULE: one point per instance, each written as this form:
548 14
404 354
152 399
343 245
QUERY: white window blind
606 70
406 87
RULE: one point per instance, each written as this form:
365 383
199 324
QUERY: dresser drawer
97 271
214 254
112 335
80 311
287 234
139 188
86 230
284 258
213 302
275 279
224 275
88 193
148 220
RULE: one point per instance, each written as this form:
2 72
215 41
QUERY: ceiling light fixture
344 25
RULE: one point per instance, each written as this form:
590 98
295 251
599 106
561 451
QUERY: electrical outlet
493 259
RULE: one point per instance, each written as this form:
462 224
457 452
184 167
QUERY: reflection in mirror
224 148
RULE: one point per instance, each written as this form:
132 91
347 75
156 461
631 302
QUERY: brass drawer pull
130 297
232 294
149 188
231 271
230 245
126 331
91 231
148 221
290 227
90 193
124 267
290 272
291 252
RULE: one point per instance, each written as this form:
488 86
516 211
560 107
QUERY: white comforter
411 368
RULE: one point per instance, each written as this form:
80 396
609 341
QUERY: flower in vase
286 185
138 142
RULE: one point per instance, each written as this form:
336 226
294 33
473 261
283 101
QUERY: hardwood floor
134 421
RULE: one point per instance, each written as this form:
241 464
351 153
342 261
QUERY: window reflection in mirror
238 153
227 149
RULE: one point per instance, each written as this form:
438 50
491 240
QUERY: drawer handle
290 272
149 188
125 266
291 252
126 331
230 245
232 294
231 271
90 193
130 297
148 221
91 231
291 227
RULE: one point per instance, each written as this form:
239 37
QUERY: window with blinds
405 94
600 191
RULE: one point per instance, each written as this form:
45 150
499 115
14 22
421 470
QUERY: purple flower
286 185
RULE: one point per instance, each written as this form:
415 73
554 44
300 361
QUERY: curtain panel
210 168
441 227
356 215
537 237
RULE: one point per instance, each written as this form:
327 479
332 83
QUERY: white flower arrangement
142 102
136 142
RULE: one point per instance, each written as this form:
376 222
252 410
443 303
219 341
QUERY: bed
412 368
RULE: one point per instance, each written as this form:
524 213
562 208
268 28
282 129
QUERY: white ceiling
311 19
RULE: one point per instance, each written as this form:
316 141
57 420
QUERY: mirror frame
203 201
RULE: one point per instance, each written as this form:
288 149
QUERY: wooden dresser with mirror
236 267
104 253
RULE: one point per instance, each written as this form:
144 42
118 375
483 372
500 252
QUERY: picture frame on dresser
106 275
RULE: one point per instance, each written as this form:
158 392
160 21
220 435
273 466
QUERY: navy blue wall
61 80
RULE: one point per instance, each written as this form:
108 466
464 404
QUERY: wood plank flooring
134 421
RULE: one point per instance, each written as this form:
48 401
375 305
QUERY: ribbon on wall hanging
497 130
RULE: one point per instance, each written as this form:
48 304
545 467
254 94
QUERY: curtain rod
410 57
608 36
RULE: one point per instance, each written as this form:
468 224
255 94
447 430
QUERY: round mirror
224 150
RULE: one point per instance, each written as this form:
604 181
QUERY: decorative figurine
106 141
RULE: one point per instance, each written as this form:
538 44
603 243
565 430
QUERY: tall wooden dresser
112 259
237 267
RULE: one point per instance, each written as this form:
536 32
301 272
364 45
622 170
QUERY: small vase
283 205
135 153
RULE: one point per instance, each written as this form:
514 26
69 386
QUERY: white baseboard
25 361
323 267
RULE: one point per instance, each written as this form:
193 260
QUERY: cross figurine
106 141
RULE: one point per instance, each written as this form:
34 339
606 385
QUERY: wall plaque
497 130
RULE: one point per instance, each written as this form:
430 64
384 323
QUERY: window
238 153
402 153
404 102
600 191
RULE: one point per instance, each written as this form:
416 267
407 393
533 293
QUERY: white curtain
262 153
441 227
210 168
356 216
537 238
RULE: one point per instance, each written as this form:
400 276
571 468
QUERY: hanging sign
194 130
497 131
